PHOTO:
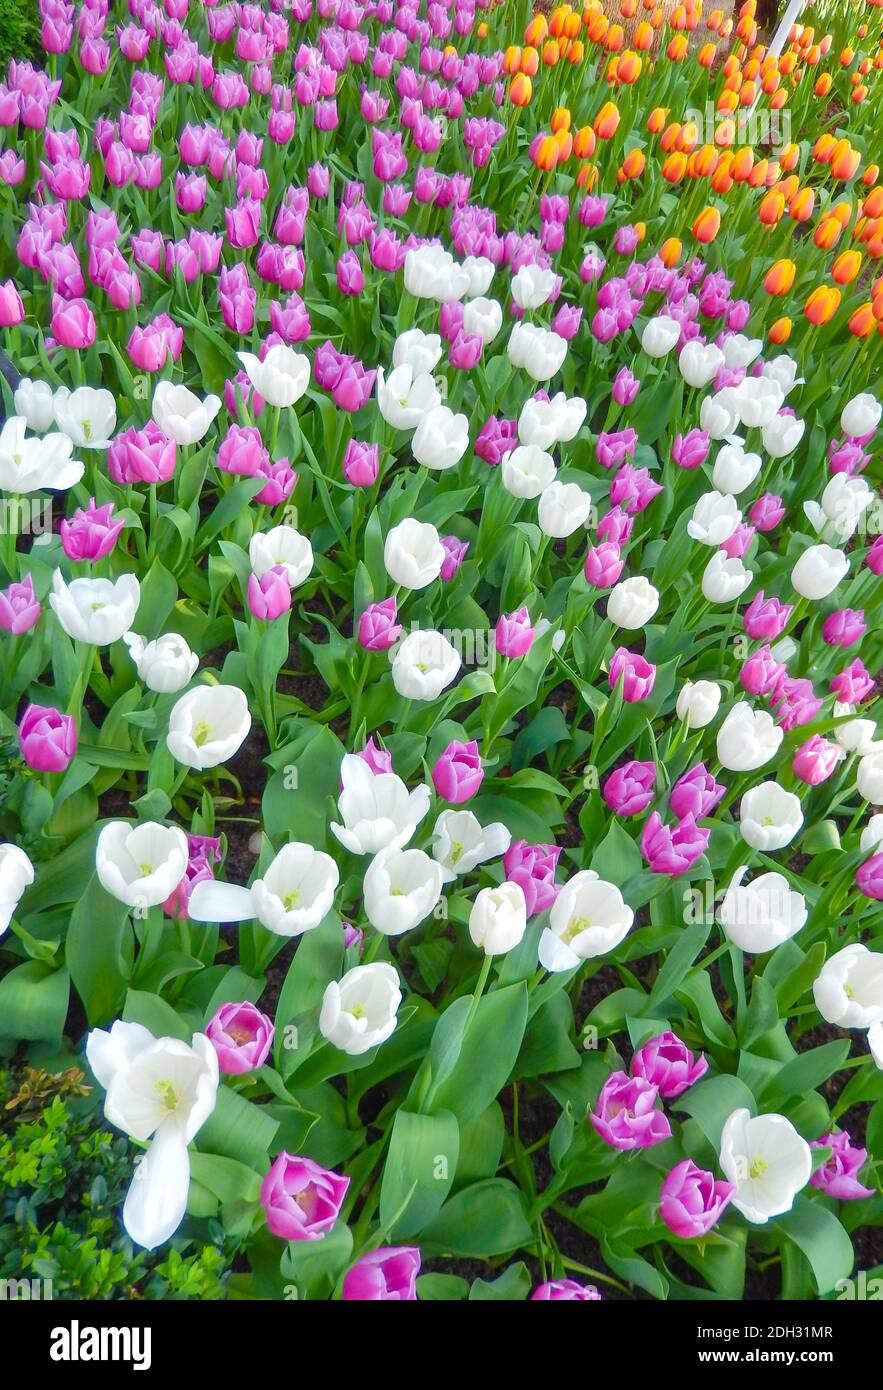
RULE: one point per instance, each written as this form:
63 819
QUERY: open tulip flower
441 649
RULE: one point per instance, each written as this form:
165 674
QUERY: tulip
282 547
19 607
34 401
816 760
162 1090
514 635
296 891
401 888
301 1199
424 664
668 1064
715 518
460 843
766 1161
838 1175
413 554
16 874
695 793
724 578
95 610
281 377
498 918
692 1201
269 596
377 810
672 850
47 738
630 788
637 675
769 817
848 991
458 774
527 471
818 571
869 877
587 919
660 335
241 1036
698 703
440 439
861 416
747 739
565 1290
31 465
632 603
387 1274
625 1113
208 725
759 916
181 415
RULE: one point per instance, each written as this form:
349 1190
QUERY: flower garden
441 647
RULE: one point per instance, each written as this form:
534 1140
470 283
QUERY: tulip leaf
419 1170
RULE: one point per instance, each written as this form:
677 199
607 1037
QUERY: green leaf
237 1128
487 1054
33 1003
423 1154
98 952
481 1221
711 1102
513 1286
809 1070
821 1238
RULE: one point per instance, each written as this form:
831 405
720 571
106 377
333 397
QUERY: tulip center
167 1094
574 927
456 851
358 1011
396 892
757 1167
145 869
849 991
291 900
240 1036
202 733
96 607
87 429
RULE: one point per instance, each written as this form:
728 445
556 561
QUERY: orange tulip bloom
575 51
536 31
551 53
705 56
670 252
873 203
771 208
629 67
780 331
788 187
520 90
677 48
789 156
675 167
530 62
707 226
564 140
844 161
512 59
560 119
643 39
822 84
801 206
822 304
587 176
824 148
584 142
706 158
870 175
862 322
758 176
656 120
546 155
846 267
606 122
633 164
780 277
827 233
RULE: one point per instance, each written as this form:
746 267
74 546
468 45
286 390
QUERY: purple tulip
668 1064
378 759
672 850
838 1176
361 463
767 512
270 596
852 685
844 627
869 877
532 867
815 760
766 618
514 635
388 1273
692 1200
691 450
630 788
47 738
19 607
625 1113
455 553
625 386
89 534
378 626
458 773
604 564
241 1036
695 793
564 1290
301 1199
637 675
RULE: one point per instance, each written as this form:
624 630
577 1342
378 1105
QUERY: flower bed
440 637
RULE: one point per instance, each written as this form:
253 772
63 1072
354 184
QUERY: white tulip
483 318
460 842
165 665
163 1090
498 918
660 335
95 610
141 864
588 918
870 777
698 703
281 378
418 350
715 518
413 554
432 273
758 401
441 438
843 503
699 363
769 817
724 578
563 508
181 415
296 891
359 1011
740 351
719 414
400 889
285 546
872 835
424 663
767 1161
861 415
818 571
377 810
87 416
208 725
35 401
782 435
632 602
848 989
405 396
16 874
481 272
539 351
734 469
858 736
532 285
760 915
747 738
556 421
527 471
782 369
36 464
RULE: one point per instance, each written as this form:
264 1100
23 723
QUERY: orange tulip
822 84
677 48
780 277
827 233
771 208
873 203
801 206
643 39
629 67
862 322
530 62
743 162
824 148
606 122
822 304
560 119
520 90
587 176
546 155
706 158
551 53
780 331
536 31
584 142
846 267
633 164
870 175
844 161
789 156
575 51
705 56
512 59
675 167
707 225
656 120
670 251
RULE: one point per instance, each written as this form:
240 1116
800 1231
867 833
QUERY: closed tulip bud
458 773
498 919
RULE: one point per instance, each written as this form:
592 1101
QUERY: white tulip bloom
556 421
848 989
413 554
843 503
498 918
588 918
782 369
734 469
140 864
418 350
872 836
281 378
563 508
769 817
35 402
724 578
660 335
87 416
432 273
698 703
377 810
95 610
424 663
758 401
208 725
481 271
296 891
699 363
747 738
719 414
460 842
359 1011
861 415
483 318
441 438
858 736
870 775
181 415
36 464
767 1161
782 435
632 602
405 396
527 471
401 888
532 285
158 1089
818 571
285 546
740 351
16 874
539 351
715 518
165 665
760 915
